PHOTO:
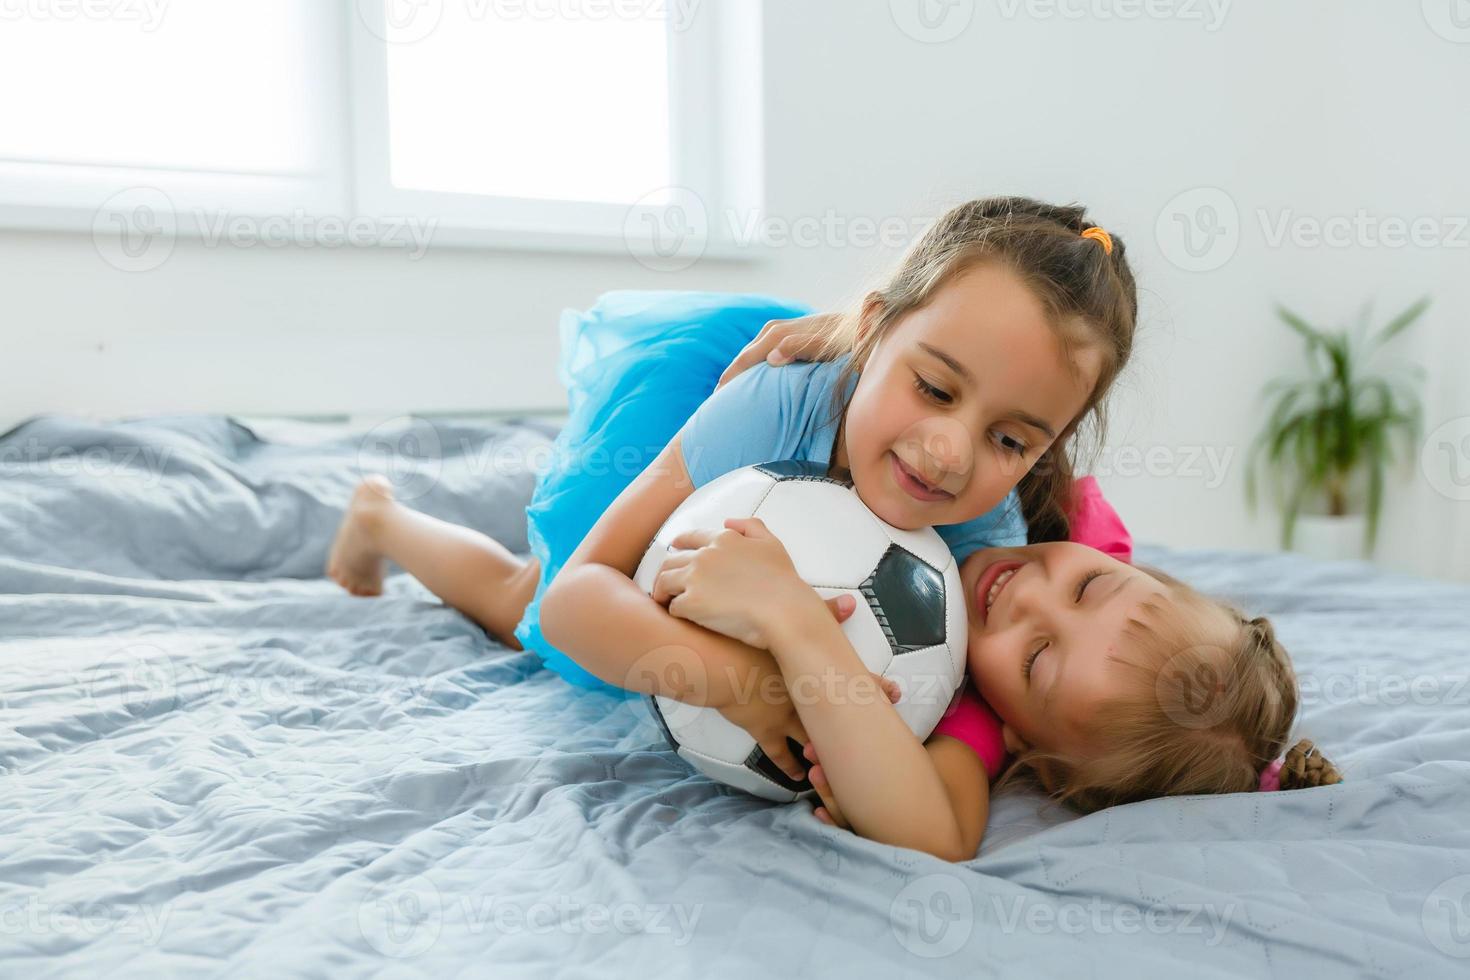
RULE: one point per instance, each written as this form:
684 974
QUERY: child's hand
828 812
738 581
787 340
767 714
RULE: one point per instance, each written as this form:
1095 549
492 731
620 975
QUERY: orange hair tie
1098 235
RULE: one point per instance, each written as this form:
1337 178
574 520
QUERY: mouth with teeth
993 582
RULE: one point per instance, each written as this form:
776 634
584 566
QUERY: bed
215 762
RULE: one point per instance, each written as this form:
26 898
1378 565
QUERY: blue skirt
635 367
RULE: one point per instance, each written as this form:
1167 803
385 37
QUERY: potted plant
1331 435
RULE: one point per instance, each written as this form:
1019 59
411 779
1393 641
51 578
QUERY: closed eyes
1087 580
1026 667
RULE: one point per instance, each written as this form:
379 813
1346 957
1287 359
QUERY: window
220 104
522 123
574 110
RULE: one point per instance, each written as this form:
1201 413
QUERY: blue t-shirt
767 413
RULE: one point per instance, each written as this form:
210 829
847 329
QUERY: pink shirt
1095 523
972 721
969 718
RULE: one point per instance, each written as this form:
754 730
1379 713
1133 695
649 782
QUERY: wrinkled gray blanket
215 762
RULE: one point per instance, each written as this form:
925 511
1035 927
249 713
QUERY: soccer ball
909 624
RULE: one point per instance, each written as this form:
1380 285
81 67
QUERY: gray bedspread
215 762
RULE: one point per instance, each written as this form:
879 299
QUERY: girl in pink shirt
1097 681
969 719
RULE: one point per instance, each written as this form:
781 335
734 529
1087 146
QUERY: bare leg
468 570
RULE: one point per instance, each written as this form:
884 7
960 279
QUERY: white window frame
716 130
67 196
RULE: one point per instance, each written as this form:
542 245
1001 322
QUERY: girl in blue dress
949 398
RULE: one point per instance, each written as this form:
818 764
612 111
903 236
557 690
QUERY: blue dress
635 367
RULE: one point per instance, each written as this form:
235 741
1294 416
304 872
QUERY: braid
1306 767
1261 651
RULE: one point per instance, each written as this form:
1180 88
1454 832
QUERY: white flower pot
1331 538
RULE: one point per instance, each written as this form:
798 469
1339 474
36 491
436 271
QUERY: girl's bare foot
356 563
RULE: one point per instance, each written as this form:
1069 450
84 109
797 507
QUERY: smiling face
959 399
1040 653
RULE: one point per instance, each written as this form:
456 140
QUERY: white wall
1322 107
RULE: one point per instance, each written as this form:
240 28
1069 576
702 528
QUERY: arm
650 651
647 650
741 581
965 781
932 797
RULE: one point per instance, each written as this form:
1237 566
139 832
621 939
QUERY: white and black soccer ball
909 624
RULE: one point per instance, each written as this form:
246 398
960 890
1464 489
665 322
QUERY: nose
945 455
1027 591
949 456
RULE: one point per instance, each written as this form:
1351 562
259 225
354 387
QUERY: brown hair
1212 704
1089 295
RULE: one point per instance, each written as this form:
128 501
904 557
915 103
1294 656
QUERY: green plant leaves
1340 419
1399 323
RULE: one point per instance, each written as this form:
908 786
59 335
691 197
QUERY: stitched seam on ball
872 596
948 641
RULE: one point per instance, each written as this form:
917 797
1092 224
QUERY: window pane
192 84
544 106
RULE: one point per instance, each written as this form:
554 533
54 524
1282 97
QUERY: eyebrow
954 365
1024 417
